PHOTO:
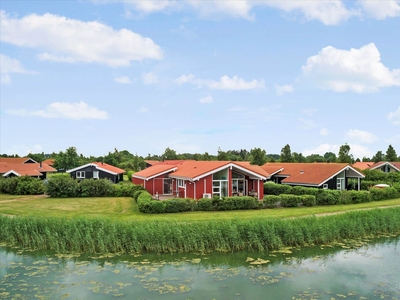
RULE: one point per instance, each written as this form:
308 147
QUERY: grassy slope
126 209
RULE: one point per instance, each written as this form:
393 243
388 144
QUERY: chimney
301 171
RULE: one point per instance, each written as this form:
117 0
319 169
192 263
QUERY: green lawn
126 209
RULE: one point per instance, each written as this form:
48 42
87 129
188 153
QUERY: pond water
357 270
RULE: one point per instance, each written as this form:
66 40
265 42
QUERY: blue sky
198 75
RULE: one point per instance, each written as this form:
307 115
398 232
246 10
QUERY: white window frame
97 173
325 186
180 183
80 174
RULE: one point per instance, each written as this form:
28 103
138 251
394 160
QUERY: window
181 183
325 186
80 174
96 174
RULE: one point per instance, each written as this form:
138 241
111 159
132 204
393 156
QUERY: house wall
102 175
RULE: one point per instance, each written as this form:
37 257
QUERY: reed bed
98 235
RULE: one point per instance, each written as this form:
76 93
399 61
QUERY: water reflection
368 271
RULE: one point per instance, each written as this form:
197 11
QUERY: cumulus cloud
306 124
67 40
11 65
225 83
282 89
64 110
394 116
123 80
357 70
207 99
149 78
381 9
322 149
324 132
329 12
361 136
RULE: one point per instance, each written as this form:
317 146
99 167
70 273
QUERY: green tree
391 154
330 157
222 155
258 156
169 154
314 158
286 154
344 154
38 157
378 157
67 160
298 157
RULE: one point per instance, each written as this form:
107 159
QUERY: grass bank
101 235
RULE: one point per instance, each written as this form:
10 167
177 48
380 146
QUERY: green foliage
374 175
271 201
23 185
205 204
302 190
308 200
125 189
62 187
358 196
328 197
95 188
286 154
96 235
271 188
129 175
258 156
176 205
289 200
387 193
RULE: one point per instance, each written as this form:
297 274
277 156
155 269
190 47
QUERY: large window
181 183
167 186
96 174
80 174
220 183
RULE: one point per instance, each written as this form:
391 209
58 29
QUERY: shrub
288 200
383 194
328 197
126 189
129 175
145 201
24 185
205 204
62 187
8 185
271 201
302 190
137 193
308 200
359 196
176 205
95 188
271 188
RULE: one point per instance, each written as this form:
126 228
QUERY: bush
62 187
271 188
271 201
24 185
144 201
126 189
205 204
302 190
359 196
176 205
95 188
129 175
328 197
308 200
288 200
378 194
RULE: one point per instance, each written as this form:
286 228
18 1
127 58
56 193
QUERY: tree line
69 159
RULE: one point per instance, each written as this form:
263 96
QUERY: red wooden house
202 179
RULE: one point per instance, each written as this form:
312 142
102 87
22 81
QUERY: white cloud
322 149
68 40
10 65
225 83
381 9
361 136
310 111
324 132
359 151
150 78
357 70
123 80
207 99
394 116
143 109
306 124
64 110
329 12
281 89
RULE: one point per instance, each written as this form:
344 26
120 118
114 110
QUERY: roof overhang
155 175
385 164
92 165
11 172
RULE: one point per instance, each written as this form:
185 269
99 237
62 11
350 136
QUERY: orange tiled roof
15 160
151 162
194 169
109 167
153 171
363 165
29 169
308 173
254 168
381 163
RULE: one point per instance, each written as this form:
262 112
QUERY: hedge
24 185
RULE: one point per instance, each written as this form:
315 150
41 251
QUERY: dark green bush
176 205
126 189
328 197
271 201
205 204
271 188
24 185
95 188
145 203
359 196
289 200
302 190
62 187
308 200
8 185
378 194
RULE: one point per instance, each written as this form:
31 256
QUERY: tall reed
104 235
